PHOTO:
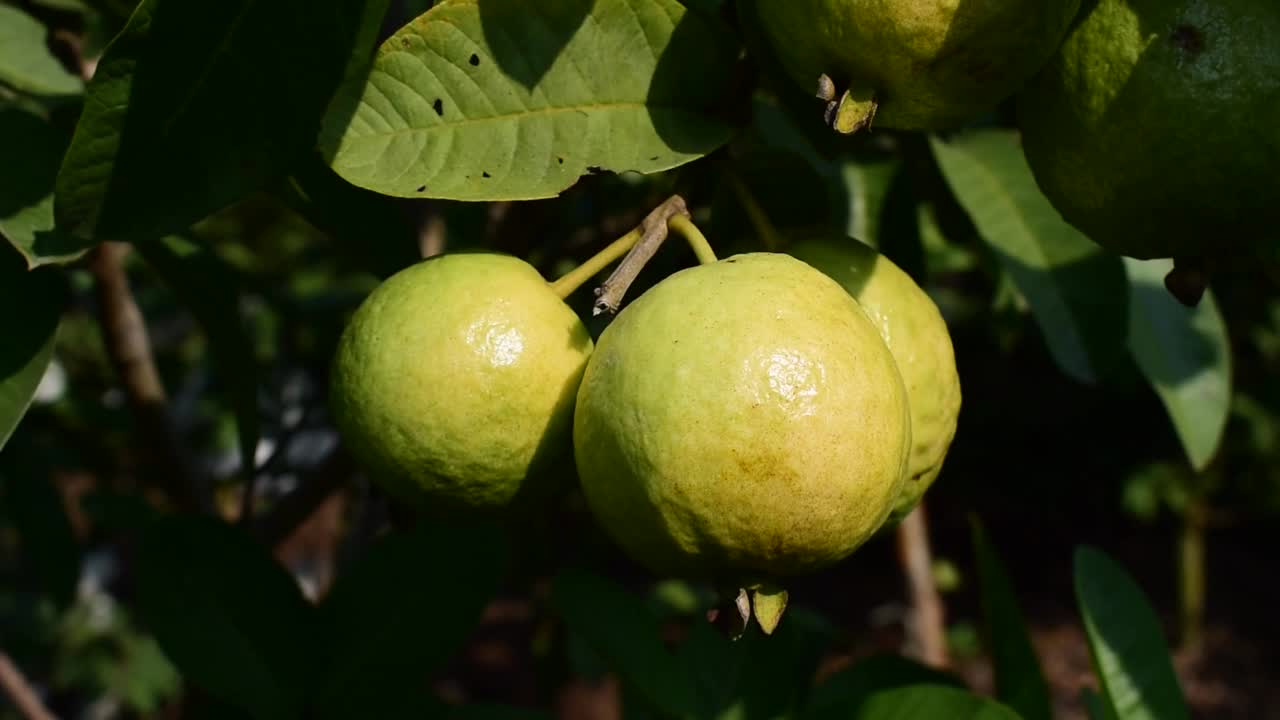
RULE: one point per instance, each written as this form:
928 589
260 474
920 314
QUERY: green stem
577 277
759 220
692 235
1191 572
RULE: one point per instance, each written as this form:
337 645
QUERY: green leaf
1020 682
930 701
1128 648
622 630
1076 290
851 687
1186 356
511 100
209 287
32 150
25 61
401 611
196 104
228 616
31 304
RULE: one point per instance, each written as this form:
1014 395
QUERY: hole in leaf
560 160
475 59
422 188
485 174
438 106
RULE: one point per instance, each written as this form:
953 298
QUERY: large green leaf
401 611
31 304
915 702
25 60
228 616
1186 356
1076 290
210 289
197 103
620 628
510 100
848 689
1020 682
32 149
1128 648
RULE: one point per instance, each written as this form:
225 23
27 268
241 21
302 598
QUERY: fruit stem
565 285
692 235
759 220
653 232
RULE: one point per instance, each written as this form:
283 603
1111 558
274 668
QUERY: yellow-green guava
741 420
914 64
913 328
1155 129
454 382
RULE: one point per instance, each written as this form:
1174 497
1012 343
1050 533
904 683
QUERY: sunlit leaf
505 99
1129 652
25 60
1186 356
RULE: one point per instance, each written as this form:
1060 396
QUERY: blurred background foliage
1061 440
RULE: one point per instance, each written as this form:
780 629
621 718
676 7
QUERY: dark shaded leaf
622 630
228 616
196 104
1020 682
510 100
32 149
849 689
401 611
1125 640
31 304
1075 289
210 289
916 702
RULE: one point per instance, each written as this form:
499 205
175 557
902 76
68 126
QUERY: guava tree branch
21 694
926 623
128 345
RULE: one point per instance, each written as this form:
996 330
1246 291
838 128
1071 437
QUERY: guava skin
1155 129
454 382
916 333
930 64
741 420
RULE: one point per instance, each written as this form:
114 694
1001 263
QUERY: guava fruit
741 420
913 64
913 328
1155 129
454 382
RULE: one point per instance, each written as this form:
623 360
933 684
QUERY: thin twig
125 335
609 294
20 692
926 625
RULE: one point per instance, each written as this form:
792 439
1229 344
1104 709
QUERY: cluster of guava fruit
1153 126
743 420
